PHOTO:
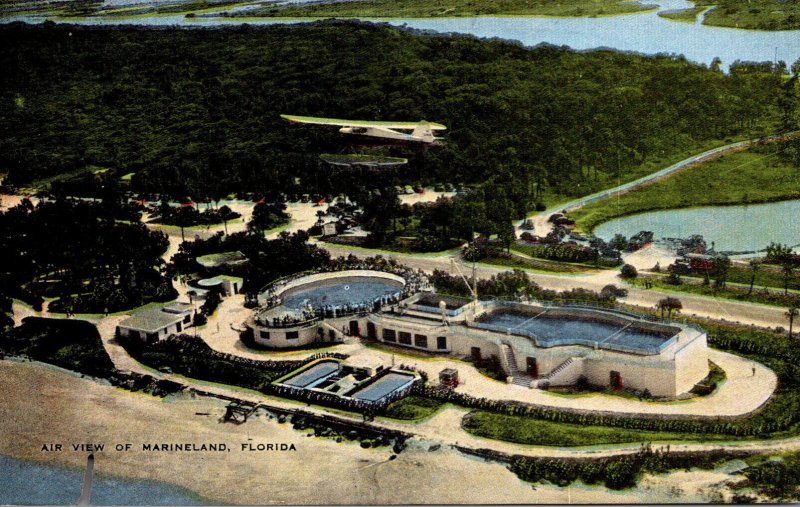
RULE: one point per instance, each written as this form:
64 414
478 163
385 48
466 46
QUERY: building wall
280 338
671 373
658 377
691 363
161 334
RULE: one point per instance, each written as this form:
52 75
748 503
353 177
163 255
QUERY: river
645 33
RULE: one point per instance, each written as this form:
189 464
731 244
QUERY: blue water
731 228
340 293
31 483
384 386
645 33
550 332
317 372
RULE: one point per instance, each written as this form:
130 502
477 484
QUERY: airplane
380 132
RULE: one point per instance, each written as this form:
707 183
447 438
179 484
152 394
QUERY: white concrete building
154 324
537 345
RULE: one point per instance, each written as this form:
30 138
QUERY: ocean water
31 483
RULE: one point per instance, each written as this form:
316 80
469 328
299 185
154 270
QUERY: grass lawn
413 408
525 430
397 350
456 8
755 14
683 15
766 276
534 264
753 176
730 291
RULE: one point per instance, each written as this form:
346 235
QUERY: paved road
540 221
701 306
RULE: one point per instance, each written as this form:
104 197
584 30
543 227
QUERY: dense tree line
268 259
191 356
616 472
71 344
515 284
196 112
77 252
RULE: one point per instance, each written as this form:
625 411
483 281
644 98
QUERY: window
264 335
420 340
389 335
441 342
405 338
292 335
187 318
179 327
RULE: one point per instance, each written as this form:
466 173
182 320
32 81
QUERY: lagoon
745 228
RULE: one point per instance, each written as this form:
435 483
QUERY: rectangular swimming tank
315 373
384 386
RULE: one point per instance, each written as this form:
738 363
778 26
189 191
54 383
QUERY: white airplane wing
334 122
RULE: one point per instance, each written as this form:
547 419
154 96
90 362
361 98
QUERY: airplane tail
424 132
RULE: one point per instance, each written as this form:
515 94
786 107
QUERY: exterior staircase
564 374
518 378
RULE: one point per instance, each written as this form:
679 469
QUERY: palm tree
754 265
791 314
787 269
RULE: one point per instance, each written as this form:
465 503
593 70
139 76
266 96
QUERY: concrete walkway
445 427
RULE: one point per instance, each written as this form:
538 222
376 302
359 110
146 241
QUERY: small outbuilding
153 324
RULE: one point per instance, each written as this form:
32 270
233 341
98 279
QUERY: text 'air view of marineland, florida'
399 252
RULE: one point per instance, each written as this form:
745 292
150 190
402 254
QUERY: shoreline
319 471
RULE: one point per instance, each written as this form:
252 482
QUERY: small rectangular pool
384 386
316 373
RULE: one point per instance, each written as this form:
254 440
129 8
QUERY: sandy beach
48 406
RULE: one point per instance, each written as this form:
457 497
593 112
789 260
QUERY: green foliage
79 253
268 216
674 282
71 344
757 15
191 356
197 112
212 301
752 176
413 408
188 216
450 8
628 272
777 479
268 259
564 252
528 431
514 284
682 15
616 472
